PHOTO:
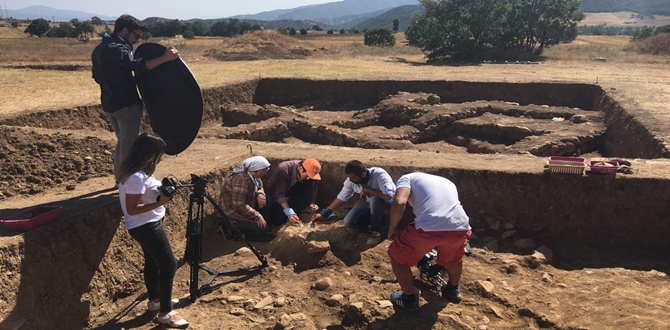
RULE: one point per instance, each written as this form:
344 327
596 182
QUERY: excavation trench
78 269
562 212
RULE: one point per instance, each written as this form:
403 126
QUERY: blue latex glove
289 212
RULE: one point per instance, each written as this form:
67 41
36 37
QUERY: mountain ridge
50 13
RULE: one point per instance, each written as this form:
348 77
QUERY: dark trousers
159 262
299 198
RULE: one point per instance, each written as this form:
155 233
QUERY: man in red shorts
440 221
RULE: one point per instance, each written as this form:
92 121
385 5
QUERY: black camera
168 187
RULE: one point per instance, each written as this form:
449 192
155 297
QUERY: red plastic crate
569 165
32 218
601 169
566 159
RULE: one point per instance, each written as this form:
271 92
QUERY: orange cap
312 167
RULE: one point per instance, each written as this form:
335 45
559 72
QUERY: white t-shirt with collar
139 183
435 202
379 180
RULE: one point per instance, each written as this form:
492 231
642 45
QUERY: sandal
172 320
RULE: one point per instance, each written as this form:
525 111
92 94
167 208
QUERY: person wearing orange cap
293 186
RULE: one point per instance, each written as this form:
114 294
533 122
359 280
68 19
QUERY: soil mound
34 162
260 45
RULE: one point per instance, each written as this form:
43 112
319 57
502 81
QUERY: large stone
525 243
323 284
265 302
244 252
314 247
485 286
335 300
492 246
508 234
545 252
237 311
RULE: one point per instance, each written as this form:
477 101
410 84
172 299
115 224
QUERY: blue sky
181 9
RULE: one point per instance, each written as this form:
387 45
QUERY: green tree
82 29
95 20
15 24
303 31
188 34
282 30
219 29
473 30
38 27
381 37
396 24
63 30
342 31
330 31
292 31
316 28
198 27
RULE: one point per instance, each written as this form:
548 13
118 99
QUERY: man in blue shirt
375 187
113 67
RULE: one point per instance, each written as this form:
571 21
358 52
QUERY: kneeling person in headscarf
242 196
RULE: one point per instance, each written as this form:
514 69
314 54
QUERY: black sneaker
398 299
451 294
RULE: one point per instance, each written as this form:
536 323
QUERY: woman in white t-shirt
143 210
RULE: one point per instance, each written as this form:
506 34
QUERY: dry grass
30 90
623 19
656 45
613 48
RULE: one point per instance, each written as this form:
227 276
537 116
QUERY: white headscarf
251 164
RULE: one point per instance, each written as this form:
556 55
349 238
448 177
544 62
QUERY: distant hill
329 11
403 14
48 13
647 7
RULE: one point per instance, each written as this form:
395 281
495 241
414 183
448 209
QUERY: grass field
624 18
346 58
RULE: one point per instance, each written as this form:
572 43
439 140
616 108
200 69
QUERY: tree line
72 29
472 30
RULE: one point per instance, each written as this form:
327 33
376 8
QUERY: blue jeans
126 125
371 210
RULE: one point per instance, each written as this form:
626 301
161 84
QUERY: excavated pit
541 120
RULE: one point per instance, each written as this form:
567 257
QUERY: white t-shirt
379 180
435 202
141 184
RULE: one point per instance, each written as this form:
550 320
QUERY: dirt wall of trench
559 210
334 94
629 129
74 269
92 117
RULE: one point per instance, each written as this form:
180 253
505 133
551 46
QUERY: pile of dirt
33 163
260 45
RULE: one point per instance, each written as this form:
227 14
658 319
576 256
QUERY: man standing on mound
113 67
440 221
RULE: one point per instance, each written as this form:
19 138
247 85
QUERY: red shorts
410 246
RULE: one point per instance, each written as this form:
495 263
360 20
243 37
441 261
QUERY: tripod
194 229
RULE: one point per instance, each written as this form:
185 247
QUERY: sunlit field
336 57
